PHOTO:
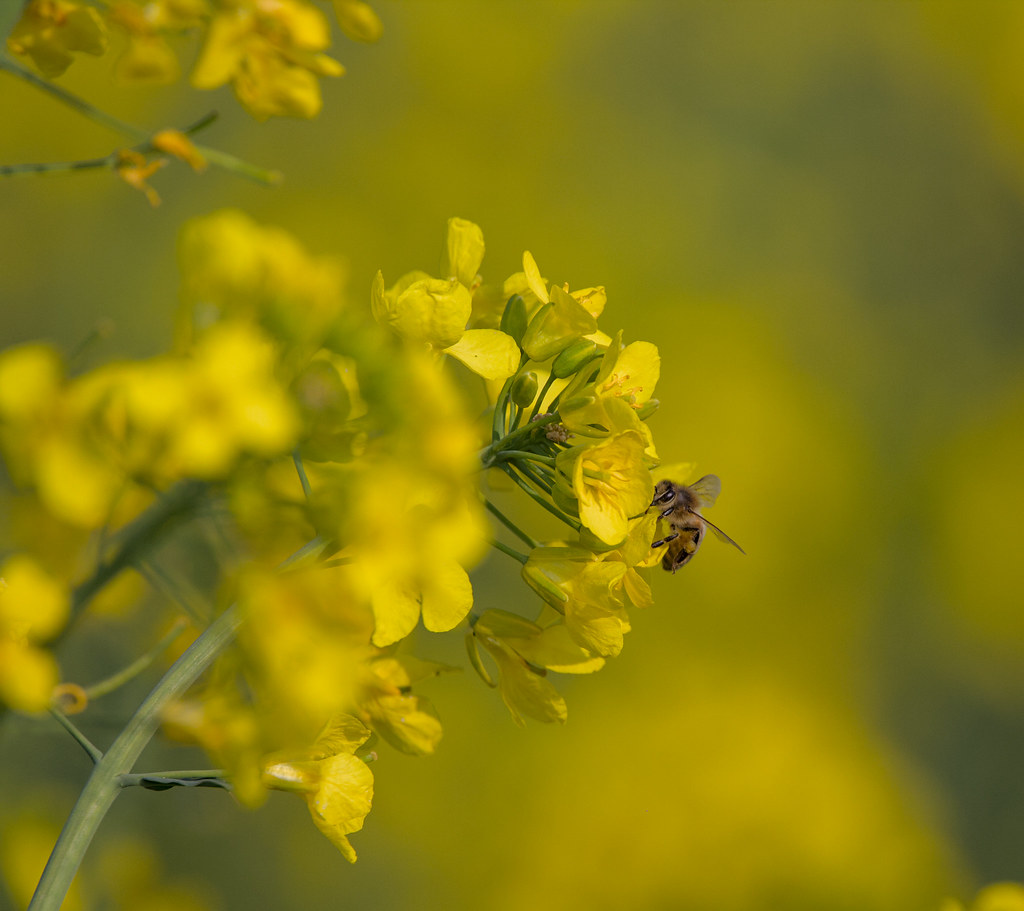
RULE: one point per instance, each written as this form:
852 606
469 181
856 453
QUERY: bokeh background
816 211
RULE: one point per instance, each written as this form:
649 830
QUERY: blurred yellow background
815 210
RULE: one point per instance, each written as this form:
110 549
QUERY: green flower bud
647 409
576 403
513 319
580 353
524 389
556 326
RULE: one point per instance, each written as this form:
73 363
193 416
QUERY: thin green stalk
509 524
95 753
143 138
301 469
540 398
539 498
133 670
104 784
72 101
508 454
533 473
505 549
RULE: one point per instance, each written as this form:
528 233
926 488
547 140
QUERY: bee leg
665 540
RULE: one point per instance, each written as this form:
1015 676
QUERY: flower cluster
270 51
337 454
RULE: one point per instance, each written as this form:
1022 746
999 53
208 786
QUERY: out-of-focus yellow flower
26 840
358 20
148 57
51 31
233 268
996 897
271 54
337 785
306 639
176 143
227 729
33 608
134 169
235 403
611 482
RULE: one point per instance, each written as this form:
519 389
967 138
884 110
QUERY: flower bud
513 319
647 409
574 358
524 389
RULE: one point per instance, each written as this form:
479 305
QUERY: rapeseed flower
52 31
34 607
336 784
271 53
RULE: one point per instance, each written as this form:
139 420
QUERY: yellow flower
306 640
524 688
271 54
406 721
358 20
337 785
437 310
50 31
234 268
148 57
611 482
133 168
587 591
176 143
33 608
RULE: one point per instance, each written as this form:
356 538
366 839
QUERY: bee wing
721 534
707 489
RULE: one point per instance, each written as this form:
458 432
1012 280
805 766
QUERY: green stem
509 524
540 398
539 498
72 101
95 753
515 440
533 473
140 136
303 480
505 549
137 666
508 454
105 782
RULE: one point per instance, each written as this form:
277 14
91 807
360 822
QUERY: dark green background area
815 211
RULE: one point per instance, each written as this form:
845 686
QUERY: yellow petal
463 251
490 353
447 596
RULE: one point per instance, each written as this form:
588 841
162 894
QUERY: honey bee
680 505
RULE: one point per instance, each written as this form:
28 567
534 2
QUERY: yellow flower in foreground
611 482
996 897
33 608
271 54
337 785
51 31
